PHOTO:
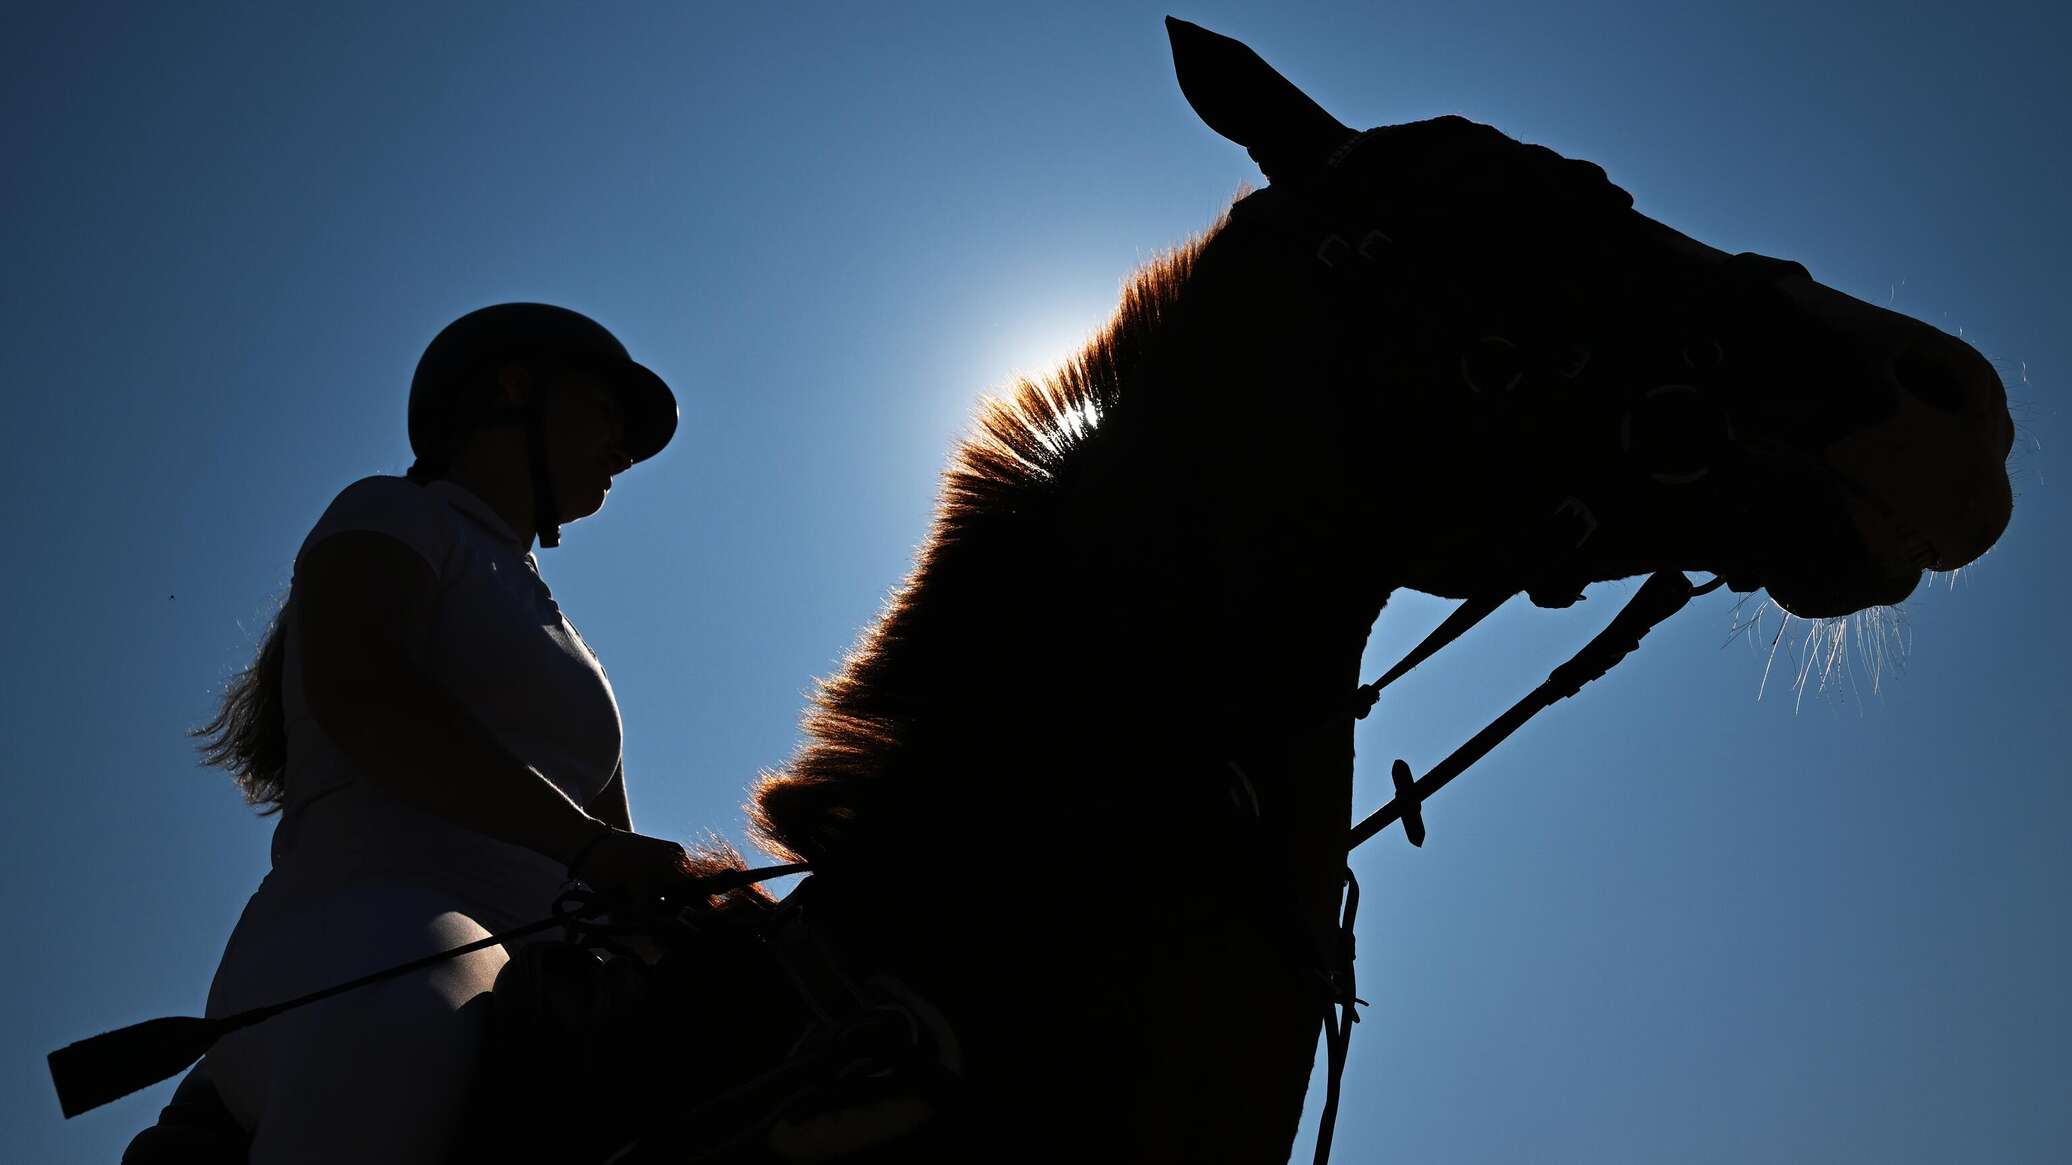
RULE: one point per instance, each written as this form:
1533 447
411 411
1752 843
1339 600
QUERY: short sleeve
397 507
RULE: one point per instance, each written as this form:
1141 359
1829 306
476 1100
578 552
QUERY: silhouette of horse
1029 793
1159 566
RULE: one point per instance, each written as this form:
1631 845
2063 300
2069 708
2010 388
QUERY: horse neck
1070 683
1261 662
1072 764
1112 667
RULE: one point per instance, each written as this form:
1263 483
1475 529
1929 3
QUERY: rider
441 745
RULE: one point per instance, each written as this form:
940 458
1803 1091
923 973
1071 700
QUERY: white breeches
384 1073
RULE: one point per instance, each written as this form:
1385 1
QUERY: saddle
731 1036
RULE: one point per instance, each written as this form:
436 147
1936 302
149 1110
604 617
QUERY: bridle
1669 432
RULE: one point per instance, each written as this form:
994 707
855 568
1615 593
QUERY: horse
1081 795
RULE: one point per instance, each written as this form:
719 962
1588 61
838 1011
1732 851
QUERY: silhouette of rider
441 745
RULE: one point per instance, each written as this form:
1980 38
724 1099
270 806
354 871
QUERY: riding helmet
517 330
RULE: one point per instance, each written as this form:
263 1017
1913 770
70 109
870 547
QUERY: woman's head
541 386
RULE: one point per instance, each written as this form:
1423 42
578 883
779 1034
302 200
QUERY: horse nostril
1943 372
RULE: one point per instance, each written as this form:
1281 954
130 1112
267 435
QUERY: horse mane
1013 466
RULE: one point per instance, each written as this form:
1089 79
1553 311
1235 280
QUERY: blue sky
1670 921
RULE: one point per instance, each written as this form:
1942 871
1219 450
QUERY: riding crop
109 1066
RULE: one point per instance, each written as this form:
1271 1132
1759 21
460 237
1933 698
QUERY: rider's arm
356 593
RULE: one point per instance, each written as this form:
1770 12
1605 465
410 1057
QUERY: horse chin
1835 591
1878 562
1837 559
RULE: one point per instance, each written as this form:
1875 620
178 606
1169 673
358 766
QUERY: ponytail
249 736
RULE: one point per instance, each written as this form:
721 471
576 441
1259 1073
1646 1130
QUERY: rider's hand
632 865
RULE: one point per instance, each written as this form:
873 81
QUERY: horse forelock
1013 465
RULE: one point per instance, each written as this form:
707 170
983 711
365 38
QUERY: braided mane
1011 469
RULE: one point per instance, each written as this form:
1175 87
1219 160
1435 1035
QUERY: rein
1664 594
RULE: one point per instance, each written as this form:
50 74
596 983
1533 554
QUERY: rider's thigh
382 1073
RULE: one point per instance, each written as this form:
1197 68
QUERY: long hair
249 734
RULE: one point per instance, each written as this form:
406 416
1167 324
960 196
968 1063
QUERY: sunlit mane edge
1013 458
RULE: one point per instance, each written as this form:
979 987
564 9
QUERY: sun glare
1034 349
1037 347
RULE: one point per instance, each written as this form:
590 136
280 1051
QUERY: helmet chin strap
545 515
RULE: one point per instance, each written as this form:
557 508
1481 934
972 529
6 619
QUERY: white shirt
496 642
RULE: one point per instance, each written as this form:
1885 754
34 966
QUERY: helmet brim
649 408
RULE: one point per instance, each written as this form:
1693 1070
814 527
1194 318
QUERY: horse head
1499 330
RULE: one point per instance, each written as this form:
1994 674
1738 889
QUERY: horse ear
1241 97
